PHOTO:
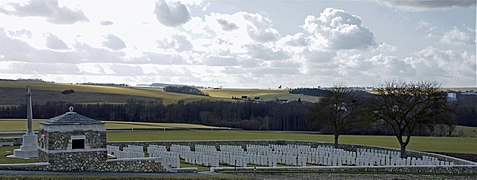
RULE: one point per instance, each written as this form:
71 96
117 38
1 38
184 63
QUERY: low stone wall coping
25 164
449 169
135 159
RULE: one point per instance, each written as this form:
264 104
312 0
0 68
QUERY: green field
265 94
466 144
167 97
21 124
437 144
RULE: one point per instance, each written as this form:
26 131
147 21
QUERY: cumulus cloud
449 66
48 9
427 4
175 42
126 70
455 36
426 27
106 23
53 42
172 14
339 30
21 33
297 40
220 61
260 28
260 51
385 47
160 58
43 68
227 26
113 42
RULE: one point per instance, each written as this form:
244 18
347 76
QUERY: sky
247 44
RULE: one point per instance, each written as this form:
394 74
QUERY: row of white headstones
271 155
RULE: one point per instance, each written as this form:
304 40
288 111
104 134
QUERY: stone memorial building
71 141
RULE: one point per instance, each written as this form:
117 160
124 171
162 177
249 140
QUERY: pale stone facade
73 142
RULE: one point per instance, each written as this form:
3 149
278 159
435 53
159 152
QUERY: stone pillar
29 148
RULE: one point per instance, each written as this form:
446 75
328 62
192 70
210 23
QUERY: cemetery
73 142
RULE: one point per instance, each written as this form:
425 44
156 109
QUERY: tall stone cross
29 111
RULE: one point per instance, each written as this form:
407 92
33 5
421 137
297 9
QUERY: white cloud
126 70
43 68
455 36
260 51
449 67
53 42
21 33
48 9
172 14
385 47
297 40
175 42
417 5
220 61
426 28
113 42
339 30
260 28
106 23
227 26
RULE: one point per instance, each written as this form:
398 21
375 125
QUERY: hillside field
12 93
265 94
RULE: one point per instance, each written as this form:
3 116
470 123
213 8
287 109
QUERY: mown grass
166 97
265 94
436 144
8 150
465 131
21 124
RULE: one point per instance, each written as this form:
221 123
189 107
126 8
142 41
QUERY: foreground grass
8 150
436 144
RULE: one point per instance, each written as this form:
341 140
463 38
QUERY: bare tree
403 105
336 111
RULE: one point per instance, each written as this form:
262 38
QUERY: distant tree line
244 115
104 84
185 90
309 91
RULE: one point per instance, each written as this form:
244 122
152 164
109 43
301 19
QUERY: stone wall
59 140
115 165
243 143
459 169
135 165
96 139
11 141
77 161
25 167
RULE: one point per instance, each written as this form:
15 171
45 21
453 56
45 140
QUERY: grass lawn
466 131
265 94
167 97
21 124
8 150
437 144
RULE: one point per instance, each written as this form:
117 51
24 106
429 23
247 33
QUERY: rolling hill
13 93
